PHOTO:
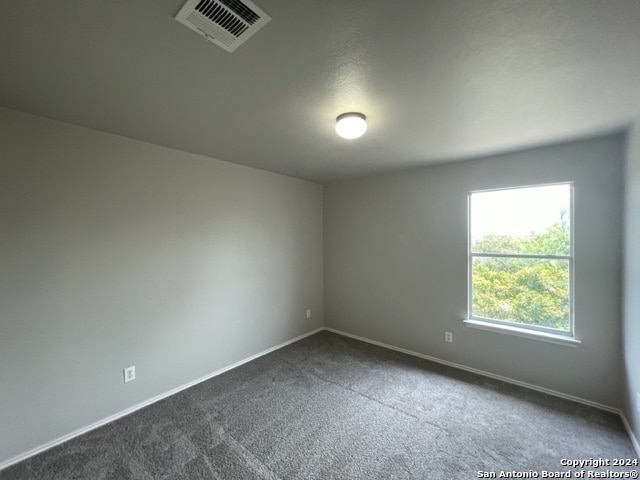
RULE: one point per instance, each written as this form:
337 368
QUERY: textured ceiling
438 80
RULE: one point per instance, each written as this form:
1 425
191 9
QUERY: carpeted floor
329 407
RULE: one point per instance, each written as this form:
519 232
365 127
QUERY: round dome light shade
351 125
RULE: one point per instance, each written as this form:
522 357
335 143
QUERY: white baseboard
480 372
157 398
632 436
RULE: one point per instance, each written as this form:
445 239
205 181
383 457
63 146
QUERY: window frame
538 332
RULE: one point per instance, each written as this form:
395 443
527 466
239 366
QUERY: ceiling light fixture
351 125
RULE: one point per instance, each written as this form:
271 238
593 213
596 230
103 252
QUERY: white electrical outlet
129 374
308 313
448 337
638 401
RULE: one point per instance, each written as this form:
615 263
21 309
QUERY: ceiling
439 80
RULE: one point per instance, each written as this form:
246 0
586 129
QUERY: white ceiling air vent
227 23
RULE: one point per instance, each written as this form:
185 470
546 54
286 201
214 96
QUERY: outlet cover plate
129 374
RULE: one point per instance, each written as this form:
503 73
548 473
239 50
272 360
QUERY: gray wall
396 269
631 325
114 252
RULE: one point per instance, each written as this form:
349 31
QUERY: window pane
521 290
531 220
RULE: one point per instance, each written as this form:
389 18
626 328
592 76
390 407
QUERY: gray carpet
329 407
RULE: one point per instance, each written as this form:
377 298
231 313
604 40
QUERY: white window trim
513 329
533 332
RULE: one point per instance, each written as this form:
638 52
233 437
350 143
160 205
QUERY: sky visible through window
518 212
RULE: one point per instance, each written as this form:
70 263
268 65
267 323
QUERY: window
521 260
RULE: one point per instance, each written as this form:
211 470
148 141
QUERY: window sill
522 332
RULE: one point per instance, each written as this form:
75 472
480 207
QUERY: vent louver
227 23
